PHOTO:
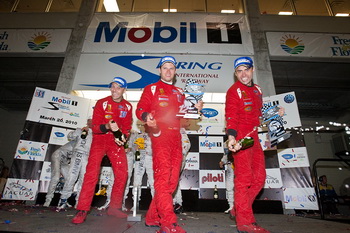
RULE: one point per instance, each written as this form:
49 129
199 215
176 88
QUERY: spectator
329 197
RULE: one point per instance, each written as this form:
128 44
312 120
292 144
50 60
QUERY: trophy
274 123
194 93
277 132
269 113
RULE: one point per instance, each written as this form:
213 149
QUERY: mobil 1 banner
224 34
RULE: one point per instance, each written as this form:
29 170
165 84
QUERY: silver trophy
276 131
194 93
274 123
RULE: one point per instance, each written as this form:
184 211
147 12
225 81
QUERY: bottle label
246 142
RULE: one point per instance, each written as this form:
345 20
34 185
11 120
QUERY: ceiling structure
322 88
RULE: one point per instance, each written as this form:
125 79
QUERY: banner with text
166 33
34 40
308 44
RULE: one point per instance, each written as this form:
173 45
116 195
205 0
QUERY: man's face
244 75
167 72
117 92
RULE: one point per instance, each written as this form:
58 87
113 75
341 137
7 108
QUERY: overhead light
111 5
228 11
171 10
342 14
285 13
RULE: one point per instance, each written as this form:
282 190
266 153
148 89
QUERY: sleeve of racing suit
98 121
232 111
144 105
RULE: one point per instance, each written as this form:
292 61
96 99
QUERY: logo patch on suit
248 108
163 104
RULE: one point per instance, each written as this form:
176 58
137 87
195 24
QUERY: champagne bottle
246 142
126 145
118 134
84 134
216 193
137 155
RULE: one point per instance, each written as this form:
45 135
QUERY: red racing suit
242 112
103 144
163 101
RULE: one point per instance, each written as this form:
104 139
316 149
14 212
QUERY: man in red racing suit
158 106
242 112
111 114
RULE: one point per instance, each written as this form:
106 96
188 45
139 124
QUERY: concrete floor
17 217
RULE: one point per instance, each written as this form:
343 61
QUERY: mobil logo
209 112
288 156
157 34
59 134
210 144
64 100
135 64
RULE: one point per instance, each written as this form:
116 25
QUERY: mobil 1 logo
224 33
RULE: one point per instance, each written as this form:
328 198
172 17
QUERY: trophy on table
194 93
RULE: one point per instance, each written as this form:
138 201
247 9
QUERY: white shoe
228 210
124 208
47 203
63 205
105 206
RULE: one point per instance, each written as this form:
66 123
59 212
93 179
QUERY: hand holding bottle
232 144
152 124
120 138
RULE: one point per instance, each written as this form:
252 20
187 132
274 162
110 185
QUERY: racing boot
80 217
173 228
251 228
